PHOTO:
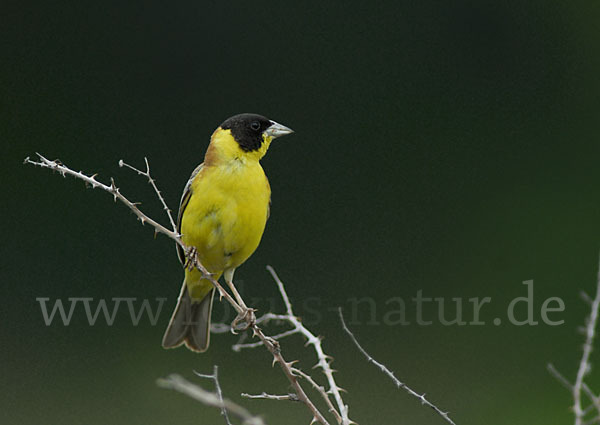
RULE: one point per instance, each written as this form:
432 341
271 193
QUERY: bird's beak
277 130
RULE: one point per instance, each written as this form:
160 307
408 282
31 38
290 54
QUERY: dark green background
449 147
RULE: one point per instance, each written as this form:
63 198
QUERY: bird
222 216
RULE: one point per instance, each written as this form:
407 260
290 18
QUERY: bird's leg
245 314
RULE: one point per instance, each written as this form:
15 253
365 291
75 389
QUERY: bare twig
593 398
215 378
112 189
193 262
264 395
239 346
559 377
274 349
565 383
579 386
324 360
586 298
178 383
389 373
584 364
320 390
153 183
588 392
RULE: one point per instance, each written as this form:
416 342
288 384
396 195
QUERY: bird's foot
191 258
247 316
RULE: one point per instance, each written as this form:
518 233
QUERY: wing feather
185 198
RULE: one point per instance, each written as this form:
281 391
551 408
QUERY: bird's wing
185 197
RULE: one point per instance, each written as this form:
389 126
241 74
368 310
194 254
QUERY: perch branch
193 262
389 373
178 383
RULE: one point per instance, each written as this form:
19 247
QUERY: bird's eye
255 125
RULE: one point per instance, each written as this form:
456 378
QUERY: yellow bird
223 213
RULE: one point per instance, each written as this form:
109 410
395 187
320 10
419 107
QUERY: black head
247 130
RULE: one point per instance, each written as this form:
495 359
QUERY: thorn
274 361
290 364
26 160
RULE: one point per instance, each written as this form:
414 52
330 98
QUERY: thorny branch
389 373
321 391
193 262
178 383
153 183
265 396
63 170
324 360
584 368
588 392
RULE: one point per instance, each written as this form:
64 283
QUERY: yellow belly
225 217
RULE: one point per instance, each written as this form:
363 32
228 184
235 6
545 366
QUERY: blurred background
443 147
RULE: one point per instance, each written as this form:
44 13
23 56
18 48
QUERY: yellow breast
227 213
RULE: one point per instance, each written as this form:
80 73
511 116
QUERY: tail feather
190 323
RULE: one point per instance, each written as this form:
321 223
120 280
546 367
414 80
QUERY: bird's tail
190 323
